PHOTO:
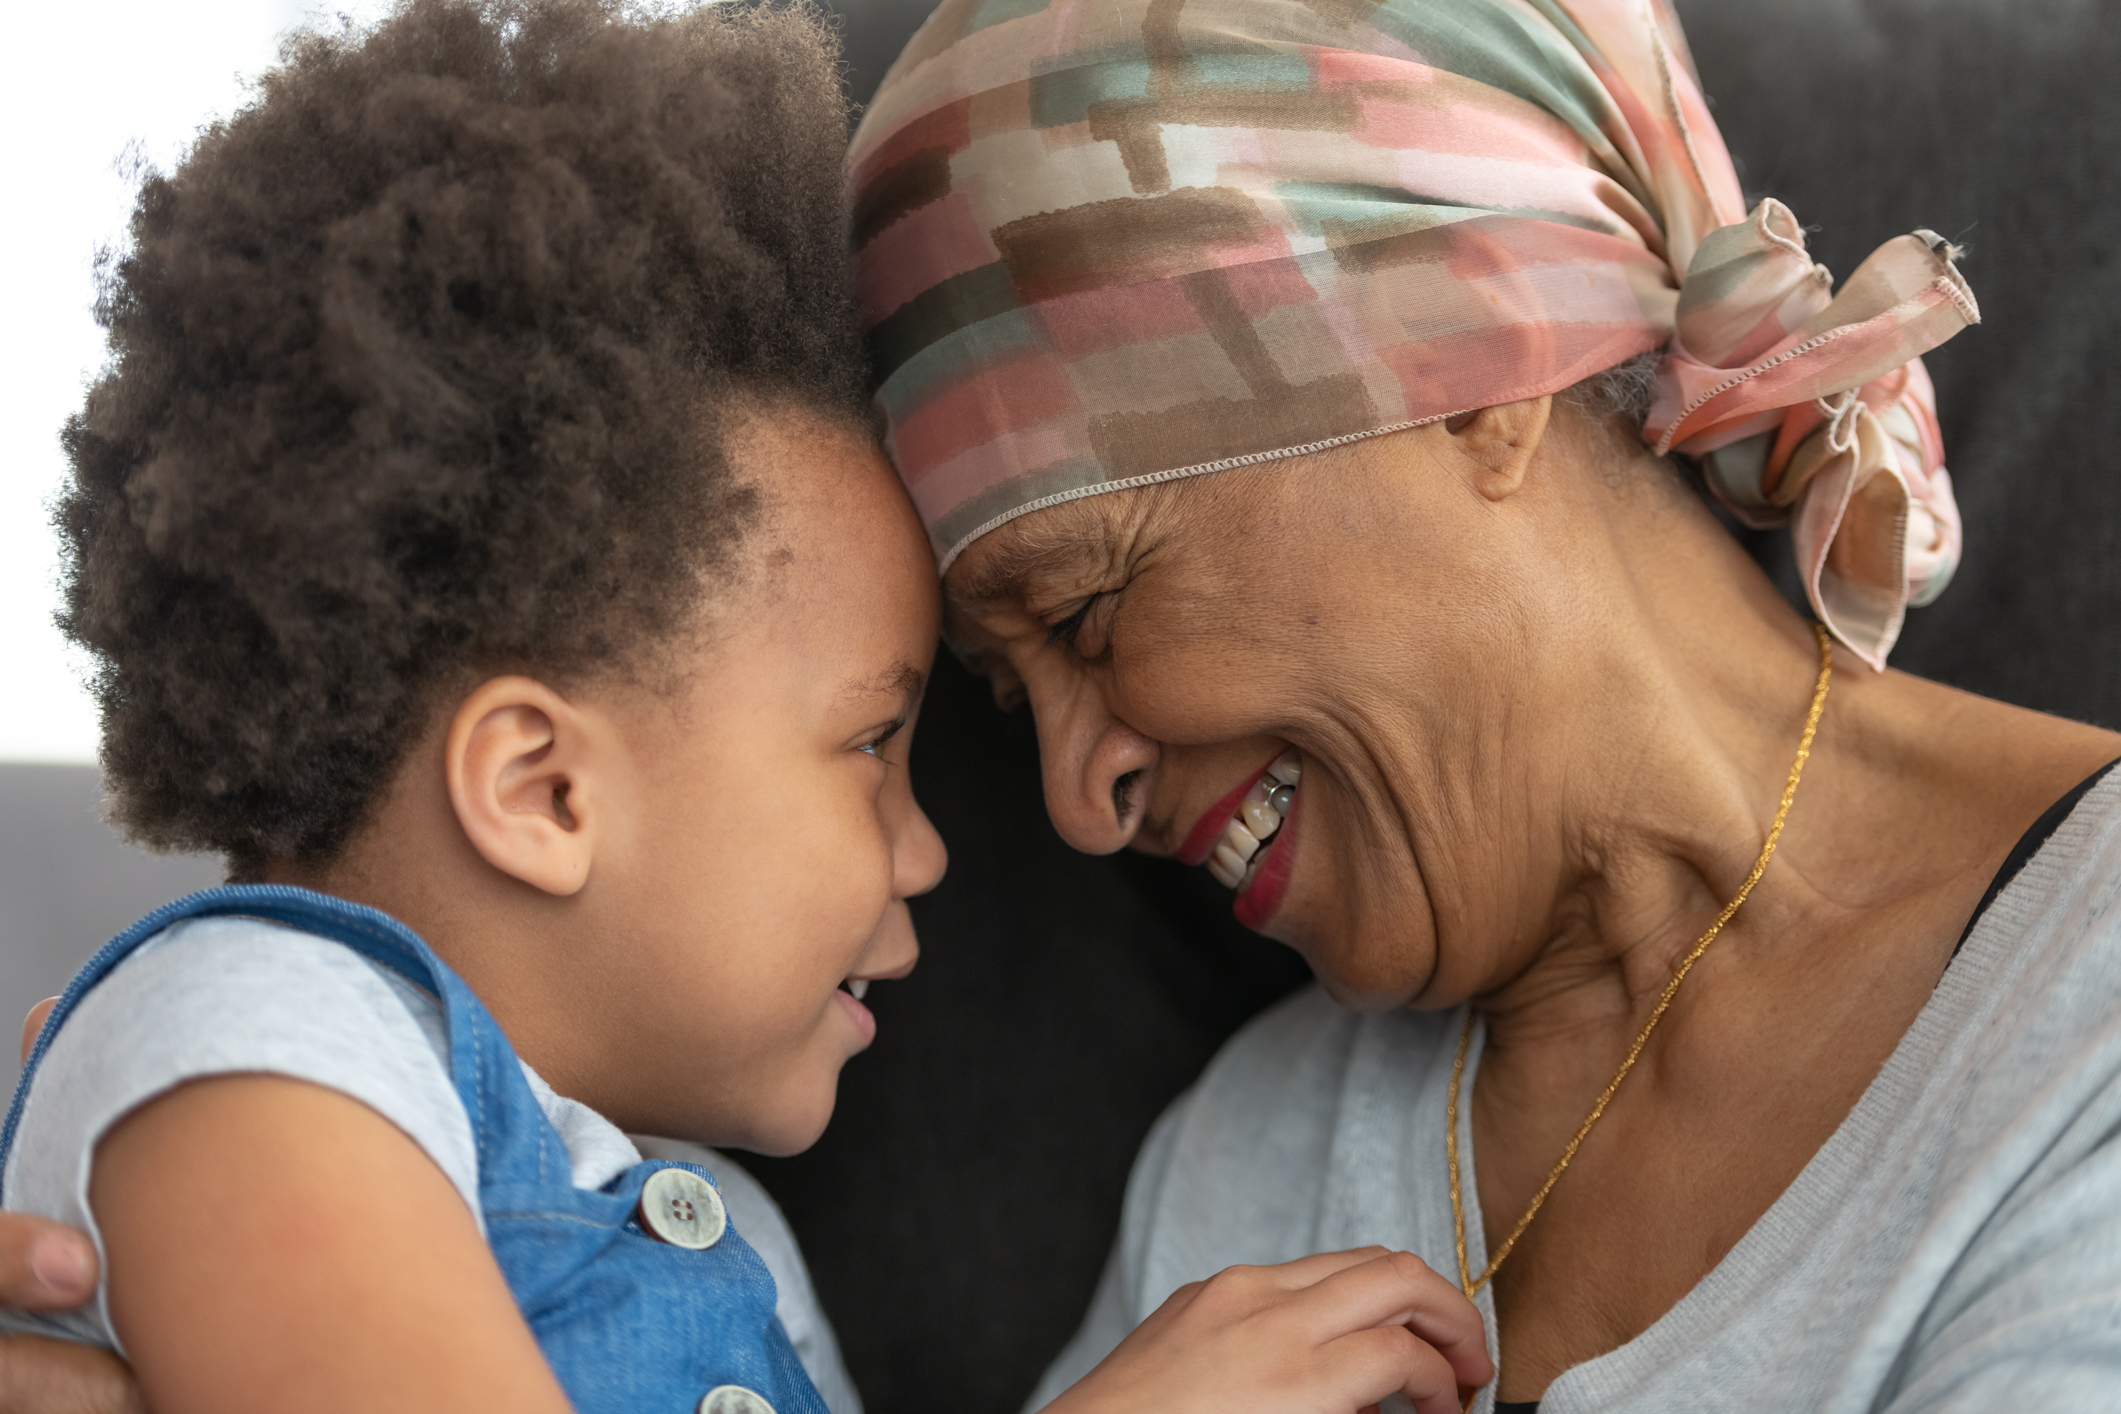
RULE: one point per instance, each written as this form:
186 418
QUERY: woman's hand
1329 1334
46 1267
40 1376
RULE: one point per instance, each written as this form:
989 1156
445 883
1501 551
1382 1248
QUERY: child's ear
523 767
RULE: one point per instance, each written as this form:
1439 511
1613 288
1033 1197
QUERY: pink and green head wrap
1102 243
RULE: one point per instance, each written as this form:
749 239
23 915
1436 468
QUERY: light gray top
1956 1245
220 996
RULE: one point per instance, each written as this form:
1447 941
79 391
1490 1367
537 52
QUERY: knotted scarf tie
1814 409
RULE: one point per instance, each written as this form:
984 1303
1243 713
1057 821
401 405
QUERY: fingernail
59 1264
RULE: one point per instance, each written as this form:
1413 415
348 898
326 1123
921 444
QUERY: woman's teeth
858 987
1236 856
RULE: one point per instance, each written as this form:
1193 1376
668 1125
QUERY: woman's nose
1096 767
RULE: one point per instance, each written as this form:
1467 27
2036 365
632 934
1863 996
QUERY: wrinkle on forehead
1072 540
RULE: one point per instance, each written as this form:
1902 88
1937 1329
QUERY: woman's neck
1912 795
1654 737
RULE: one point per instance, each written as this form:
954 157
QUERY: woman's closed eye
1069 632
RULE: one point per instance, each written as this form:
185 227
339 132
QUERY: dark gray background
67 884
958 1211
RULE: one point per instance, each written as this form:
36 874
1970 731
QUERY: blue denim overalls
628 1323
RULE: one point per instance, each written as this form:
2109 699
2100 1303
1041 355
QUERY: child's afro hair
416 369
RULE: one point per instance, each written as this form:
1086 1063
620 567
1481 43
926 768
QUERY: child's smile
773 835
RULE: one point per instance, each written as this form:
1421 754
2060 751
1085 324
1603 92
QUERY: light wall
95 88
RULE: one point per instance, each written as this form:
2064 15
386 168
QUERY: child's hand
1329 1334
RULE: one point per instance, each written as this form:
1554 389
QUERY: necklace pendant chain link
1466 1280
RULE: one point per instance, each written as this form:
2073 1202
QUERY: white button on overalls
682 1209
733 1399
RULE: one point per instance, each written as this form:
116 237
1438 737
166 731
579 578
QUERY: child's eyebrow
902 679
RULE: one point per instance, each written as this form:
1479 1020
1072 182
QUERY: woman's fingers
33 1023
46 1267
43 1266
39 1376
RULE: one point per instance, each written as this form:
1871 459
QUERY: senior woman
1732 1017
1289 387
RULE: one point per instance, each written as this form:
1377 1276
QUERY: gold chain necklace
1466 1279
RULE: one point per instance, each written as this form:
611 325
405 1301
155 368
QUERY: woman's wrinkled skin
1546 706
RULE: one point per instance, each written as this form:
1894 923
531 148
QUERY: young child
482 547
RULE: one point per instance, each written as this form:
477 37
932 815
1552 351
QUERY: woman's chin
1363 999
1360 974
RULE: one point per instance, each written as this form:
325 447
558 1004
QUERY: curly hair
416 371
1625 390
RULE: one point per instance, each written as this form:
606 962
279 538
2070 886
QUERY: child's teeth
859 986
1240 841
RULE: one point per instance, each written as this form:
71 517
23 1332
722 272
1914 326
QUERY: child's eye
875 745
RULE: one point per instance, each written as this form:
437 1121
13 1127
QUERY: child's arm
275 1245
1322 1335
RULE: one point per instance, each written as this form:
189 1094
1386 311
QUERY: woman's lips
1246 839
1270 880
1200 843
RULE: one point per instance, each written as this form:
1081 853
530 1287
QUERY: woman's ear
523 767
1501 441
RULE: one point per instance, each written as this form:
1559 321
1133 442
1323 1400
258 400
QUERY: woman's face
1379 609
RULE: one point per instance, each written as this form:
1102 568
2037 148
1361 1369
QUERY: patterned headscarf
1103 243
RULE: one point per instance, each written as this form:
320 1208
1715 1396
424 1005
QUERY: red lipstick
1200 842
1258 903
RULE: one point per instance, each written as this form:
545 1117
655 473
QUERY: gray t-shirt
221 996
1955 1246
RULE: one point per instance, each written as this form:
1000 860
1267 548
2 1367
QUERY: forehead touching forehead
1081 545
838 561
823 488
1070 547
1059 542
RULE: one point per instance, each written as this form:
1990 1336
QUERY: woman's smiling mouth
1232 838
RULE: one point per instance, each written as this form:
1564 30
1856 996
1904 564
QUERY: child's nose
920 857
